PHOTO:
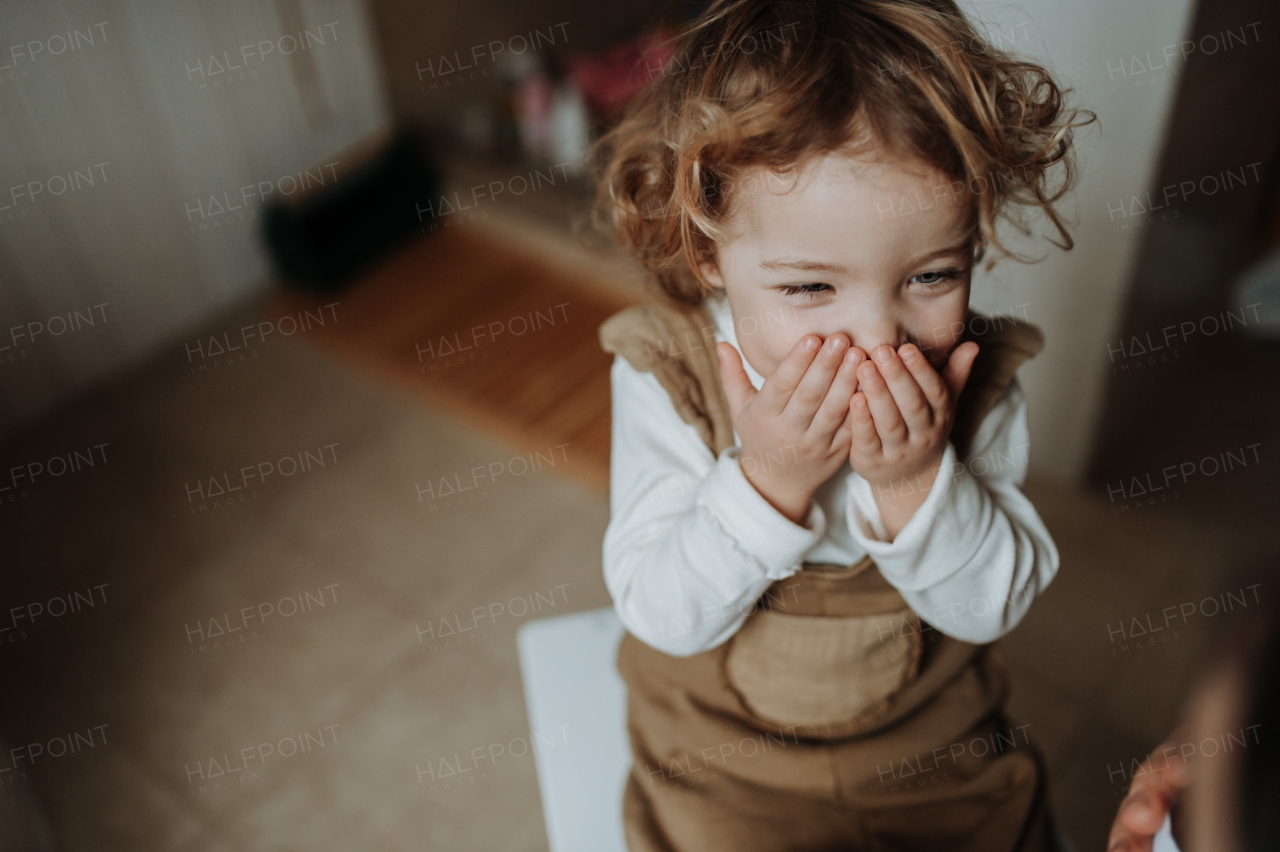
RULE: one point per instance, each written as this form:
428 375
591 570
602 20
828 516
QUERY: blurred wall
1223 215
137 143
1103 50
442 55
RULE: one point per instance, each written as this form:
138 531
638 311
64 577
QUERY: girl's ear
711 275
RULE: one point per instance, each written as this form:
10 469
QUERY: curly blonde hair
774 82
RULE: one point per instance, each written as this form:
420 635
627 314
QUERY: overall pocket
820 672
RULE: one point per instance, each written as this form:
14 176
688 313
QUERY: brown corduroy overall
834 718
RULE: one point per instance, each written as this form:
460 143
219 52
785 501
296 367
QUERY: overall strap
677 345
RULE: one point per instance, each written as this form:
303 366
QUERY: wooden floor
497 335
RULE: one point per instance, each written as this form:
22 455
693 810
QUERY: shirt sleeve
975 554
691 545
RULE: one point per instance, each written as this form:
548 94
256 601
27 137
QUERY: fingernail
810 344
884 354
837 344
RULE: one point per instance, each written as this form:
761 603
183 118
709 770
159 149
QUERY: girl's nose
869 333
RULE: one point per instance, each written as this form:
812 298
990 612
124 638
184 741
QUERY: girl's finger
737 385
884 411
912 405
931 384
843 436
835 407
778 387
815 383
956 373
866 441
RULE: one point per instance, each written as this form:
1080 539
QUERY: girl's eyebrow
958 248
804 266
817 266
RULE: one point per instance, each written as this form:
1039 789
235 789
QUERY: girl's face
839 249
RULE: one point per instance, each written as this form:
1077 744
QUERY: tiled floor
356 673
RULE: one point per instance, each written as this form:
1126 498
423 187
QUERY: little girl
817 525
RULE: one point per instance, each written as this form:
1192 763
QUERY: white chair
578 703
1164 841
578 715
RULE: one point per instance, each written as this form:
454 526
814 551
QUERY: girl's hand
901 418
796 429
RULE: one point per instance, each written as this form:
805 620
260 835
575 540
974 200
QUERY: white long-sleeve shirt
691 545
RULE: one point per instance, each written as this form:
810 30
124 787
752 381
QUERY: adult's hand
1154 790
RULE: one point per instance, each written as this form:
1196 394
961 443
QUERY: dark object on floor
334 234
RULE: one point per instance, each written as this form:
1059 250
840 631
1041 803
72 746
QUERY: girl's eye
809 290
936 280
